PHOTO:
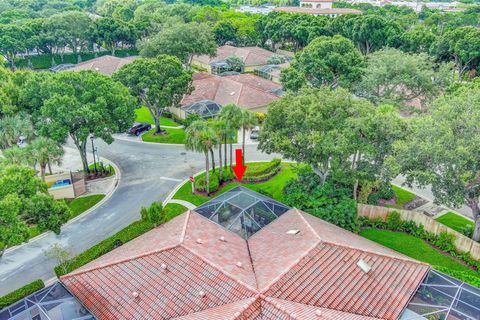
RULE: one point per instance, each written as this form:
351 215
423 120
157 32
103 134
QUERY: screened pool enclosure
242 211
204 108
50 303
441 297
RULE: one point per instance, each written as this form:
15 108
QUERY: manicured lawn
173 136
143 115
403 196
273 186
173 210
82 204
454 221
414 248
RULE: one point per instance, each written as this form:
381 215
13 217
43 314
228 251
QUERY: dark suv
138 128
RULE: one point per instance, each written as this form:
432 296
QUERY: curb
83 214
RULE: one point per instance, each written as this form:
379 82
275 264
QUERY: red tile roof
193 268
251 56
106 65
246 90
318 11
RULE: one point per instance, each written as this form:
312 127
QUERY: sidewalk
431 209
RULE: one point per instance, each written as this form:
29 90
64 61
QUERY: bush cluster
383 191
21 293
444 241
155 214
329 201
130 232
258 173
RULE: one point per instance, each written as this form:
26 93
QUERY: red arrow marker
239 169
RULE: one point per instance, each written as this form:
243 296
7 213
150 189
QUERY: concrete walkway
184 203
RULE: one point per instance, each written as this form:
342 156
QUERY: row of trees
349 140
181 29
206 135
385 76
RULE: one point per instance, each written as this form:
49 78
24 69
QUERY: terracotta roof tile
222 248
251 56
189 268
162 293
246 90
106 65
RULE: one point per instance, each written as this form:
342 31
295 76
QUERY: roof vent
232 93
199 241
135 294
164 266
293 231
201 294
364 266
239 264
222 238
318 313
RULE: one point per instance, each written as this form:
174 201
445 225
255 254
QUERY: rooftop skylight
242 211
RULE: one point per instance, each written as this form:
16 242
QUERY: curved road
149 172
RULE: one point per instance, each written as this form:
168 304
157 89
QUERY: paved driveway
149 173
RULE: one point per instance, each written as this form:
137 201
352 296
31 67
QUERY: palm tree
248 121
232 115
12 128
18 156
201 138
43 151
221 130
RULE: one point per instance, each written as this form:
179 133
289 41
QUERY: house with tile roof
330 12
252 57
106 65
245 256
245 90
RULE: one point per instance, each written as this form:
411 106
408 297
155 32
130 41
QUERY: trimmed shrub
393 221
154 214
130 232
21 293
201 185
262 169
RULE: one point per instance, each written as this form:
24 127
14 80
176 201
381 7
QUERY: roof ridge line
184 228
376 253
225 273
308 224
102 266
355 248
297 261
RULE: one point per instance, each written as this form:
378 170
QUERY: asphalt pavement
149 172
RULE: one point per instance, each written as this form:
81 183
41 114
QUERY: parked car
254 133
138 128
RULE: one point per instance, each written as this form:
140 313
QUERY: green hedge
460 275
128 233
21 293
261 169
44 61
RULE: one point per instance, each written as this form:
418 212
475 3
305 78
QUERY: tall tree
13 39
392 76
80 104
12 230
323 128
463 46
443 151
180 40
201 137
247 122
330 61
159 83
44 151
12 128
110 32
72 28
221 129
232 115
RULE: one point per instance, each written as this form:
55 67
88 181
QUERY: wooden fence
462 243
